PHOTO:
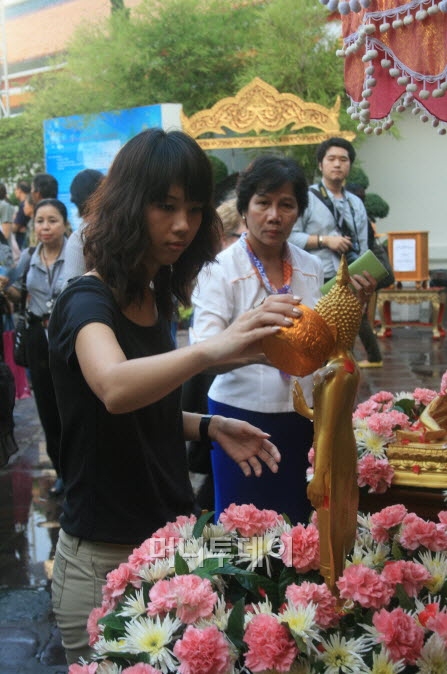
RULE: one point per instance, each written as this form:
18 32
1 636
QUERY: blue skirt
284 491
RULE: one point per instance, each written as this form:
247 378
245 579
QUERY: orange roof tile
47 31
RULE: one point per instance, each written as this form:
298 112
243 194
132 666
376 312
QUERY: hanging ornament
404 44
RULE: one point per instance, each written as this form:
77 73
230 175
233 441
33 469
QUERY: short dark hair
266 174
3 191
116 238
46 185
59 205
82 187
24 186
335 142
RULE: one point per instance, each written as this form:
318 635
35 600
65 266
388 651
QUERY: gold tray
419 465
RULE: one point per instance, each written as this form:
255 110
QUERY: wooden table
435 296
424 502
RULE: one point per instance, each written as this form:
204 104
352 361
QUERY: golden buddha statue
333 490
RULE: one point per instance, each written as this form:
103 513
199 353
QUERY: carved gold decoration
419 464
258 107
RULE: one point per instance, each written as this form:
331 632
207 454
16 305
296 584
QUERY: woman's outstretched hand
243 337
247 445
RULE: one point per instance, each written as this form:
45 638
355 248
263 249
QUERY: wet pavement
29 639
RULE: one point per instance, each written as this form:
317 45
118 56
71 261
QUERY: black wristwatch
203 430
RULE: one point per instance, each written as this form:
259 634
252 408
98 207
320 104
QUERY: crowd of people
100 342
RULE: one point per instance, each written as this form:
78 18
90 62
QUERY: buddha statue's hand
318 490
299 402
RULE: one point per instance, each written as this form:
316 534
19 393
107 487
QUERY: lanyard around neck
259 268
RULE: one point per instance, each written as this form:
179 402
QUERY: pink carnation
301 548
400 633
83 669
443 387
270 644
442 516
192 597
377 474
203 651
162 543
118 580
172 529
365 586
141 668
366 409
383 397
438 623
93 628
248 520
151 549
162 598
326 614
387 519
386 423
417 532
424 395
410 575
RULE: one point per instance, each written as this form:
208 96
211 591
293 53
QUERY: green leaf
235 628
180 566
200 524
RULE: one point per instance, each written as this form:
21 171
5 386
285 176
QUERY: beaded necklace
259 268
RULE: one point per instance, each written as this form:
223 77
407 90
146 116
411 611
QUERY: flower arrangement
244 595
376 422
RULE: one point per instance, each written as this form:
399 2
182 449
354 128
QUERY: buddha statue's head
341 309
307 344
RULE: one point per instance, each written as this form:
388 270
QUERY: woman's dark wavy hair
116 236
266 174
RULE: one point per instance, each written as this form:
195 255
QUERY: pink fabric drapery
395 58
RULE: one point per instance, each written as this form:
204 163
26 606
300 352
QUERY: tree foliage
192 52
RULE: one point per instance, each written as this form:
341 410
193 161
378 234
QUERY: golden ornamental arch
256 116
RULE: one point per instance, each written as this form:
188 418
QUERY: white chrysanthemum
369 553
371 443
364 523
359 424
433 659
107 667
111 647
153 636
436 565
215 531
219 616
185 530
343 656
157 570
134 605
257 549
383 664
301 622
256 609
403 395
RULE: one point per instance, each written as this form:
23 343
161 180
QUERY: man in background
335 223
21 220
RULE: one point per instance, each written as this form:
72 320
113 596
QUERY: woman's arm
126 385
244 443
